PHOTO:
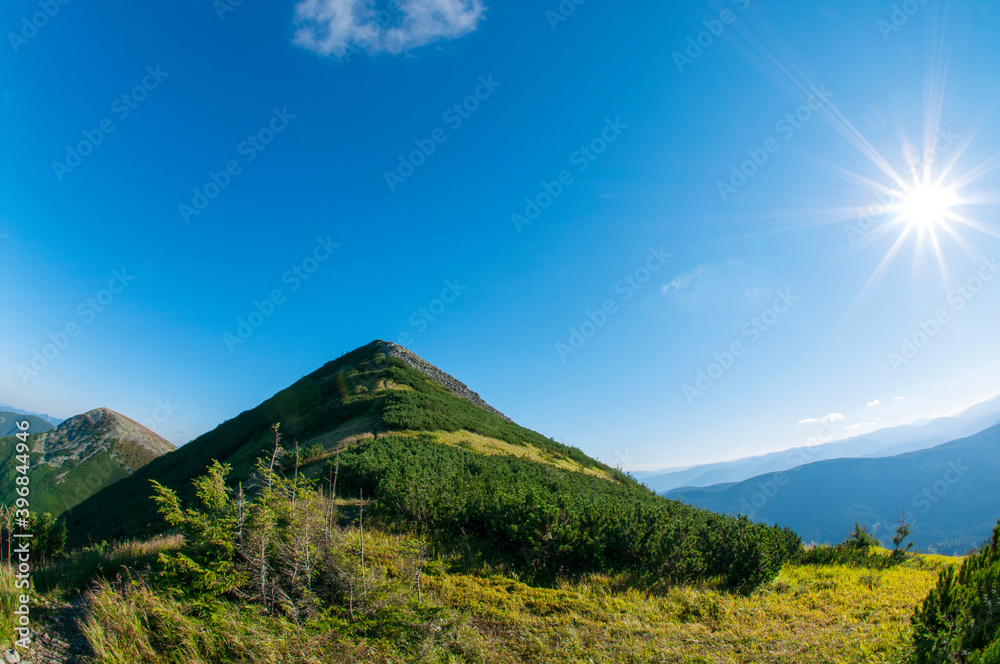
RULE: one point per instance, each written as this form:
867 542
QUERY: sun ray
939 254
977 172
920 200
974 224
963 244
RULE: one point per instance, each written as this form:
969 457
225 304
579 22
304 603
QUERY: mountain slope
428 457
81 456
951 494
452 384
9 420
364 393
54 421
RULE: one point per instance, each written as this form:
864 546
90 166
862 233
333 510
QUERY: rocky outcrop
80 437
449 382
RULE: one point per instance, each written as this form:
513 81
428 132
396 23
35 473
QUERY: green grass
74 573
8 604
128 623
546 522
808 615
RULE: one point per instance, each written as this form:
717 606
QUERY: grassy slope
49 491
548 522
342 396
809 614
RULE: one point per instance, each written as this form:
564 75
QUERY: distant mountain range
882 443
79 457
950 493
54 421
9 421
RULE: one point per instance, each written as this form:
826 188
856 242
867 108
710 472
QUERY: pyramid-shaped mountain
376 390
426 454
81 456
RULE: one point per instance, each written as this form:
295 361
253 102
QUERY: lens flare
927 206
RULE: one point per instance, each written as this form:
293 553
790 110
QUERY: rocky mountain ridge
81 437
81 456
449 382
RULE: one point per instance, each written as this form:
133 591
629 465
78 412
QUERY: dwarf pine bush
960 619
275 544
547 523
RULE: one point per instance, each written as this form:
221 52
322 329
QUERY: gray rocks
452 384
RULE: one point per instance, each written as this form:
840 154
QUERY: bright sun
927 205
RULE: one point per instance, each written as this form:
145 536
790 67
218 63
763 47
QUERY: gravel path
61 641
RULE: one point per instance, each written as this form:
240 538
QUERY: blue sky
545 203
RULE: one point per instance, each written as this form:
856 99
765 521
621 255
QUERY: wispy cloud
685 282
832 417
899 398
336 27
872 404
863 427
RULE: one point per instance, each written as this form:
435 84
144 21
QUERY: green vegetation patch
960 619
546 522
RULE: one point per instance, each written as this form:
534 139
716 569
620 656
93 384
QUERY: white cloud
899 398
863 427
832 417
685 281
335 27
870 404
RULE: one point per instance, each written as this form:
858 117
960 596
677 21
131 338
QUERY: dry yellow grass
360 429
807 615
382 384
491 446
